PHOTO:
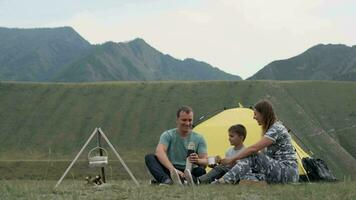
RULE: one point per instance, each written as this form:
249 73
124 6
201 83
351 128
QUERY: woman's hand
227 161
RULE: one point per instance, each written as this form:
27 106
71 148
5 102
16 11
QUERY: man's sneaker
168 181
188 176
175 177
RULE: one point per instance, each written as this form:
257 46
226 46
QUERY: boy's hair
238 129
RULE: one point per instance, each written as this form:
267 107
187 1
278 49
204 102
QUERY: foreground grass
127 190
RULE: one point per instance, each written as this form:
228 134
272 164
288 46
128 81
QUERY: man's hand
193 158
181 174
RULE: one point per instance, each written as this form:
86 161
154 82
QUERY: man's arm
199 159
203 159
161 153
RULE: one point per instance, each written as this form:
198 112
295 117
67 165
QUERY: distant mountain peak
141 43
320 62
319 47
61 54
40 29
34 54
138 40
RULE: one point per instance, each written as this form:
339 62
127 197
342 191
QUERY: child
237 135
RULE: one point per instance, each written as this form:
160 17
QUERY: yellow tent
215 132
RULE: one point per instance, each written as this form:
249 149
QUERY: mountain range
62 55
321 62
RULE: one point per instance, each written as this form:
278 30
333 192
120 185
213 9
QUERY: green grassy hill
38 121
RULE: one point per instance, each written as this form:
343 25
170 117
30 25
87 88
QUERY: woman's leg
275 171
235 174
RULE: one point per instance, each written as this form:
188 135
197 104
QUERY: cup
211 160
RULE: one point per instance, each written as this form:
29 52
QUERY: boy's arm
264 142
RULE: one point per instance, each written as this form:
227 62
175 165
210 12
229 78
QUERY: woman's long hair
264 107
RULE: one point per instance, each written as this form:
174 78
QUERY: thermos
191 149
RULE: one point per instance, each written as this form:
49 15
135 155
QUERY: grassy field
74 189
42 123
53 170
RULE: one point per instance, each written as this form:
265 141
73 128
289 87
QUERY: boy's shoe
188 176
175 177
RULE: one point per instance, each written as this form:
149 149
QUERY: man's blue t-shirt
177 146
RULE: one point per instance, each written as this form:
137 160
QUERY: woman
277 159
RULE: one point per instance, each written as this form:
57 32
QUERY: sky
237 36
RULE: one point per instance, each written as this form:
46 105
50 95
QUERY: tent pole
306 174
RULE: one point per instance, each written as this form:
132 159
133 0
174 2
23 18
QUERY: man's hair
265 108
185 109
239 130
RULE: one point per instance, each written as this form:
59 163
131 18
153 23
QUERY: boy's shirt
232 151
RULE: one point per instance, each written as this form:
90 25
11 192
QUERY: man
169 161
